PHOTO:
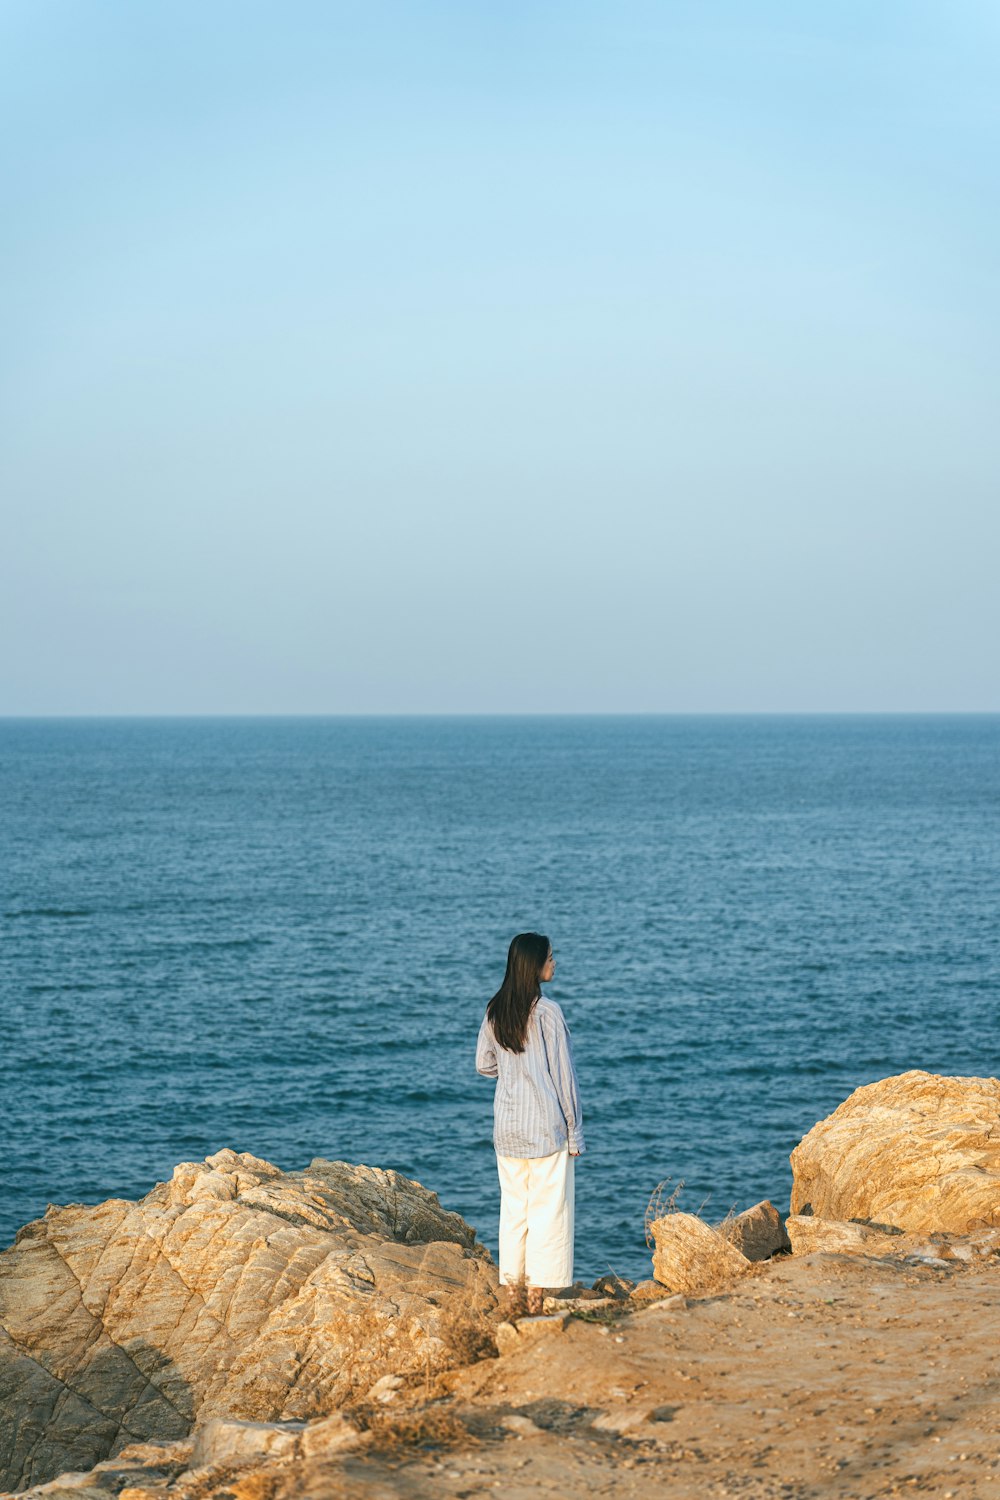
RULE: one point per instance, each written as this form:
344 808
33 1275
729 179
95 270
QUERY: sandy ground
834 1376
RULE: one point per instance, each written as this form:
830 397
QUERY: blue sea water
279 936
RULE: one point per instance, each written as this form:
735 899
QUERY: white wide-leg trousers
536 1219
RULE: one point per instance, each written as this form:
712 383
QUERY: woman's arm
486 1052
559 1050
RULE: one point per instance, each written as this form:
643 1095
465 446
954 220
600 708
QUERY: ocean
279 935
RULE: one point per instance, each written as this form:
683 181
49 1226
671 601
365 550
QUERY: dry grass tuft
466 1326
514 1300
376 1335
223 1482
724 1226
369 1347
660 1204
372 1337
427 1427
249 1487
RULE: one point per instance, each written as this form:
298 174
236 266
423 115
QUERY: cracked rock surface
234 1289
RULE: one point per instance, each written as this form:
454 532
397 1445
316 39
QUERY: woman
524 1044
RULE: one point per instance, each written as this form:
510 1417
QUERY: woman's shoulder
549 1009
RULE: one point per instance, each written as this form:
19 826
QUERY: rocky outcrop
916 1152
853 1238
814 1377
690 1256
234 1290
808 1234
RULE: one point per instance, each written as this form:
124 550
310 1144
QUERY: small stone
673 1302
613 1285
530 1329
649 1291
332 1434
507 1338
224 1440
158 1455
520 1424
577 1304
620 1418
384 1389
72 1480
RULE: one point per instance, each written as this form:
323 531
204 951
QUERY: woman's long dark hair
514 1001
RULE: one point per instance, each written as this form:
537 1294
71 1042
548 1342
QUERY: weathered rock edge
234 1289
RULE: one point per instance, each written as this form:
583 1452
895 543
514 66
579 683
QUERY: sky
529 357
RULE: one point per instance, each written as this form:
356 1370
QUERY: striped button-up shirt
536 1107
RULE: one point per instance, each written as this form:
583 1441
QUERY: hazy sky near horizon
527 357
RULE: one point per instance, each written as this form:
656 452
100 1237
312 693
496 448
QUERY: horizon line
749 713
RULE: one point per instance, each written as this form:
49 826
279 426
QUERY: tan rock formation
691 1256
757 1233
917 1151
808 1234
235 1290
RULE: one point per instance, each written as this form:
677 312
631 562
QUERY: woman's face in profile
548 969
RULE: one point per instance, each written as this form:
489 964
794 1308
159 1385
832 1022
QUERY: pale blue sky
526 357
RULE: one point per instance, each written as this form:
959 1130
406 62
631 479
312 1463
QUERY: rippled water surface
279 936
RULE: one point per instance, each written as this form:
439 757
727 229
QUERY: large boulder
691 1256
234 1290
917 1151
